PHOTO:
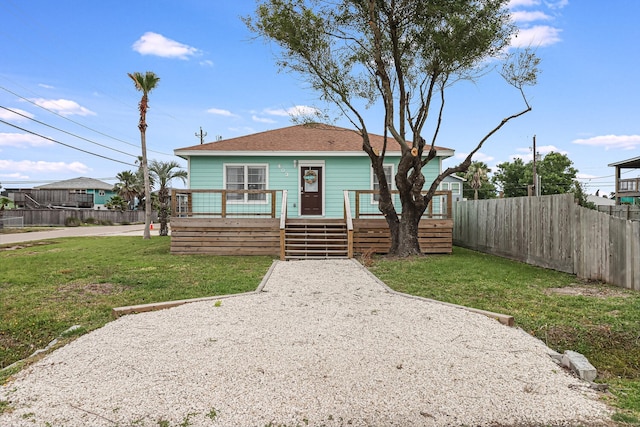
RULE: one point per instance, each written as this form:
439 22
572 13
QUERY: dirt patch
103 288
596 291
78 290
23 246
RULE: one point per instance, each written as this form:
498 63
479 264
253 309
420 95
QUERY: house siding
340 173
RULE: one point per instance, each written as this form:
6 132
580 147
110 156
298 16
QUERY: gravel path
324 344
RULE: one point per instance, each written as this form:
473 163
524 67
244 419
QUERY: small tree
129 187
163 173
117 203
404 54
145 83
478 183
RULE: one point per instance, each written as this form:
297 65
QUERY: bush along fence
71 217
552 232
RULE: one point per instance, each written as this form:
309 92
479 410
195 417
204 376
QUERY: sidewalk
58 232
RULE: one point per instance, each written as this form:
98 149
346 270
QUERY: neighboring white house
454 183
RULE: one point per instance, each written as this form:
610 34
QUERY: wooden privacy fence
54 217
552 232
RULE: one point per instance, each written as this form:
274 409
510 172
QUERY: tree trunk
147 186
407 233
164 216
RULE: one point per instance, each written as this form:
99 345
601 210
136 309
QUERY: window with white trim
453 186
246 177
388 173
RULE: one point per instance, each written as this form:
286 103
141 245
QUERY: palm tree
145 83
128 187
163 173
476 175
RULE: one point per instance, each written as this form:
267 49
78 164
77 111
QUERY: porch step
316 239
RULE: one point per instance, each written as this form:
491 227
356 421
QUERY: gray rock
580 365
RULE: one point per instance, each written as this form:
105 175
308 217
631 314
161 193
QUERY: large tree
556 172
163 173
145 83
404 53
513 177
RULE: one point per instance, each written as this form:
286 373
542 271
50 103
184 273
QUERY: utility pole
201 135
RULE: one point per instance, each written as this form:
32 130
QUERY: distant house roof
80 183
629 163
317 139
454 178
600 201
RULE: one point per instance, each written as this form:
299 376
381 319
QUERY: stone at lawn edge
580 365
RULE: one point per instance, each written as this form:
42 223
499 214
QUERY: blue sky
72 58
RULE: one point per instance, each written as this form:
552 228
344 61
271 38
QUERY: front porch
213 222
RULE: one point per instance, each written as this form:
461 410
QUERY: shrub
72 221
90 220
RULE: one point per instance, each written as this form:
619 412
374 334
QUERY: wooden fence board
553 232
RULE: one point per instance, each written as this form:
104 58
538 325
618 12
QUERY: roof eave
185 154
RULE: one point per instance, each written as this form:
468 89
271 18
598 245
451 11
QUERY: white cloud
64 107
46 86
22 140
206 63
557 4
262 119
478 157
524 3
42 166
536 36
546 149
527 154
8 115
221 112
156 44
529 16
622 142
13 176
298 110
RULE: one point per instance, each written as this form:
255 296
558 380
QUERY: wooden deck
301 239
201 224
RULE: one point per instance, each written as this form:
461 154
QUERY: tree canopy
556 172
404 54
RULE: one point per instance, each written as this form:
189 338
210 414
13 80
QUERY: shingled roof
81 183
306 138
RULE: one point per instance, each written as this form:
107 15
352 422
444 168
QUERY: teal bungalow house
285 189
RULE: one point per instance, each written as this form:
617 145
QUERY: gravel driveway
325 344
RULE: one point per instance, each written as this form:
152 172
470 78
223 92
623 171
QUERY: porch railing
366 205
224 203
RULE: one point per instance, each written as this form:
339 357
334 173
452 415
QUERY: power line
66 145
78 123
69 133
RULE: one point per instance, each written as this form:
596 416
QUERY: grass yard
46 287
600 321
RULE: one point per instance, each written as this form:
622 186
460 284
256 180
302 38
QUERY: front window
388 173
246 177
